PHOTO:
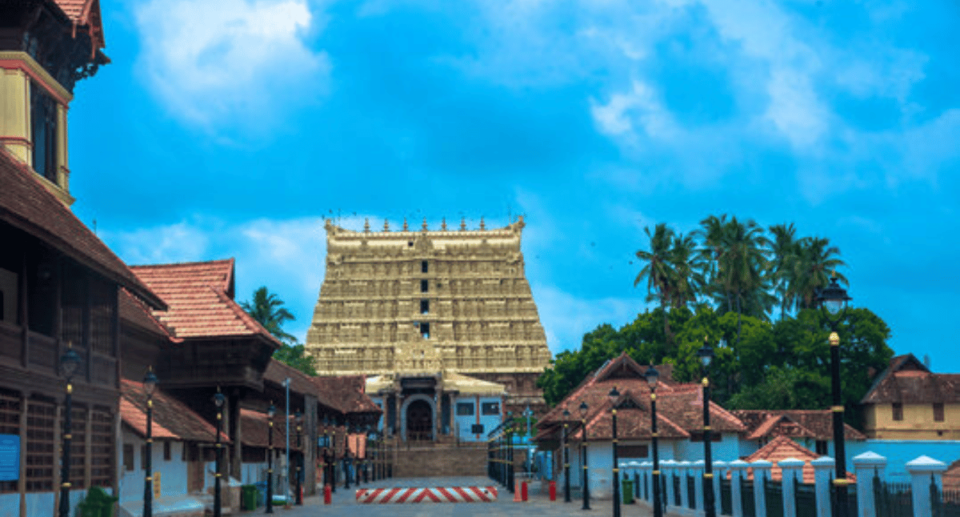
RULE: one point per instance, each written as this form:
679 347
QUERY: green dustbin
248 495
98 503
627 486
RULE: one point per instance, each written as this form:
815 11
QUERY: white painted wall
173 473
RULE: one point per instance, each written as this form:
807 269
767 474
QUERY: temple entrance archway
419 421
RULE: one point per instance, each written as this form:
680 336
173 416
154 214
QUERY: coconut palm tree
658 270
269 311
816 261
712 235
742 267
783 252
687 281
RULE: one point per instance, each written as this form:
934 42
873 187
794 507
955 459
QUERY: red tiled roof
133 311
171 418
951 478
795 423
256 430
87 13
781 448
199 299
679 406
29 206
908 381
345 394
300 382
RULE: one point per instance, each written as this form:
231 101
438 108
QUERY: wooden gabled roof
85 15
172 419
27 205
794 423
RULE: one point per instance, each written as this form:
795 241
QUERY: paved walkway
344 503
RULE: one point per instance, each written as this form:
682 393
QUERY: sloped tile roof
951 478
171 418
29 206
84 13
679 406
135 312
908 381
799 423
346 394
199 296
277 372
779 449
256 430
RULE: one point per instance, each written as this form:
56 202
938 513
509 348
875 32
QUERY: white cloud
566 318
220 62
637 107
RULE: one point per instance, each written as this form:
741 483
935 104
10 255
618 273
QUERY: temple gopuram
442 324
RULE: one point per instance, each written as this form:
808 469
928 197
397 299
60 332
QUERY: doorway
419 421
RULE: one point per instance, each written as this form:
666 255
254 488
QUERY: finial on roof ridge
386 225
424 227
366 225
463 224
482 225
443 224
405 227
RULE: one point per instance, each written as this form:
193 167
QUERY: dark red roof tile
171 418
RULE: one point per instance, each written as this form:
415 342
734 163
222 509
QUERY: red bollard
523 491
326 494
553 490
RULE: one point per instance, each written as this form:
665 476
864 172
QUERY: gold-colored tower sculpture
410 303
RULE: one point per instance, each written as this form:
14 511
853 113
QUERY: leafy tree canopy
269 311
775 365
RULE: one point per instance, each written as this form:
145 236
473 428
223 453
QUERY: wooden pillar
234 425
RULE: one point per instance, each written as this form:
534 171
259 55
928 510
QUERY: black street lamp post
833 302
218 400
298 418
653 376
706 355
566 455
614 398
69 364
271 411
346 461
510 479
586 481
149 385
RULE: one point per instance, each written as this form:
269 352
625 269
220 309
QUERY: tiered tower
421 302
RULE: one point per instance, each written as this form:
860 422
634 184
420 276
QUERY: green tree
269 311
658 271
783 252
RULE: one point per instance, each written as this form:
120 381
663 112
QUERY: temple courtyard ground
538 503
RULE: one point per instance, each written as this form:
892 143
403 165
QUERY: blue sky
231 128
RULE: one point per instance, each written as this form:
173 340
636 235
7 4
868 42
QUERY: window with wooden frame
9 424
166 450
40 449
897 411
938 411
43 118
128 461
633 451
78 446
143 457
102 448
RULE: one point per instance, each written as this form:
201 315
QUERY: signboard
9 457
476 429
156 485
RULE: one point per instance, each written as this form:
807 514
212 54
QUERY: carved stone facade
417 303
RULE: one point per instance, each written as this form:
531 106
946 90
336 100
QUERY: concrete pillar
668 470
924 471
738 469
823 468
761 473
867 466
719 472
683 469
791 470
646 472
698 484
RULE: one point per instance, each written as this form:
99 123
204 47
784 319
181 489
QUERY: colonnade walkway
538 503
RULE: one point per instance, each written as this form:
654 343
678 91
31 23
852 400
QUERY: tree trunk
738 318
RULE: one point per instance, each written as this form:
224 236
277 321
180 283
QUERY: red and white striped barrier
456 494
